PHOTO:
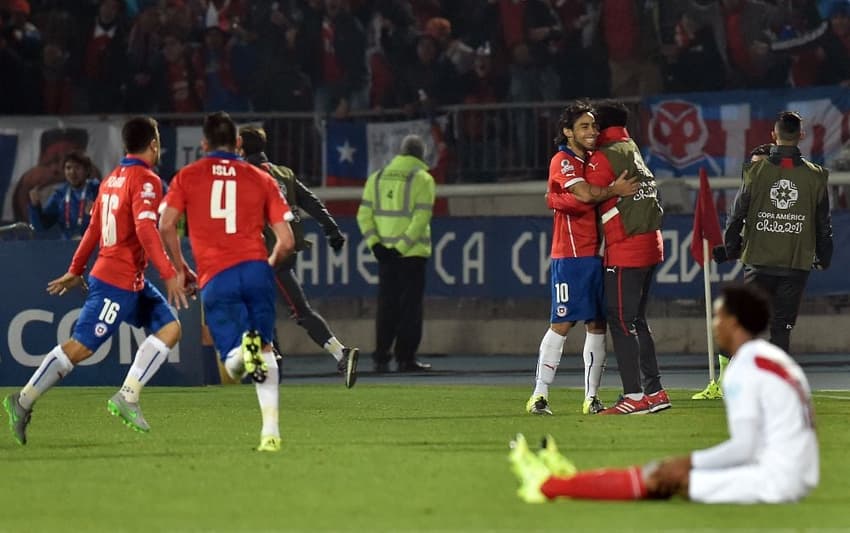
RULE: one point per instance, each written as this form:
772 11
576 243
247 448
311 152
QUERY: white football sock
551 348
334 347
267 395
594 362
234 364
53 367
149 357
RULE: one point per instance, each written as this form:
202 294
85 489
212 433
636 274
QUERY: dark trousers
304 315
785 293
401 291
626 298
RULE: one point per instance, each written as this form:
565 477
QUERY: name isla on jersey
223 170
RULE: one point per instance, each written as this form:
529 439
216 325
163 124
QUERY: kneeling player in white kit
771 457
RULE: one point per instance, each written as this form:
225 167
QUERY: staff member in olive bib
780 226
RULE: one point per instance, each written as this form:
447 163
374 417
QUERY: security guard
300 197
395 219
780 225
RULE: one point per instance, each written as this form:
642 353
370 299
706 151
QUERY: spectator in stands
693 62
56 83
428 81
332 46
582 63
222 89
750 25
280 84
460 54
482 130
70 204
144 66
835 47
55 144
21 46
104 59
181 88
631 36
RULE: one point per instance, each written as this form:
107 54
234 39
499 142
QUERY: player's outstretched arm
66 282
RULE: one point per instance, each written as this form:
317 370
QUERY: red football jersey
227 202
124 223
574 232
621 249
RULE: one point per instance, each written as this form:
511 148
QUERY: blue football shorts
577 289
239 299
107 306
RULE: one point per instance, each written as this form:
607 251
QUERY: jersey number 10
223 204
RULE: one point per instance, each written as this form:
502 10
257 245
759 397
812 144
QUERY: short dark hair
568 118
81 158
253 139
749 305
137 134
788 126
762 150
611 113
220 130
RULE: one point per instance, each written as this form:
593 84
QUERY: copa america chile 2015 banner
682 133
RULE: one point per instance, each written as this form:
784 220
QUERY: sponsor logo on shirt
567 168
147 191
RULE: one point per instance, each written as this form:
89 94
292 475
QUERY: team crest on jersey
561 311
115 182
567 168
100 329
784 194
147 191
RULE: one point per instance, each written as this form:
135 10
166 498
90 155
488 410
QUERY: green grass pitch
375 458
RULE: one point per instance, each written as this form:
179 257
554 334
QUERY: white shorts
742 484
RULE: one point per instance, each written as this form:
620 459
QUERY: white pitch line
831 397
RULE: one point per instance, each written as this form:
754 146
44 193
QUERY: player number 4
562 293
223 203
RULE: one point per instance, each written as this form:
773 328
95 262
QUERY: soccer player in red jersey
576 267
633 248
228 202
123 224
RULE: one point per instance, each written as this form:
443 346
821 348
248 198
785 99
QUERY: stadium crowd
338 56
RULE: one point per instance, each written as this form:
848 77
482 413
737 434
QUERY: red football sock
605 484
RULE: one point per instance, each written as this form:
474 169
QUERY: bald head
413 145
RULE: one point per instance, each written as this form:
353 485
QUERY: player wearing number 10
123 222
228 202
576 268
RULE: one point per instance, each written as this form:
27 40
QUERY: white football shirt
764 386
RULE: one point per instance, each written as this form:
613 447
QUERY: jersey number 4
223 204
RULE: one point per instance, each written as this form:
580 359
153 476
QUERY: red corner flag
706 223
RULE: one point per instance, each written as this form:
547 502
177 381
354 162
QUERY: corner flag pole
706 274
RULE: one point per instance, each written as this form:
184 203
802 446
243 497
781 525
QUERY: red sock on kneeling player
606 484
